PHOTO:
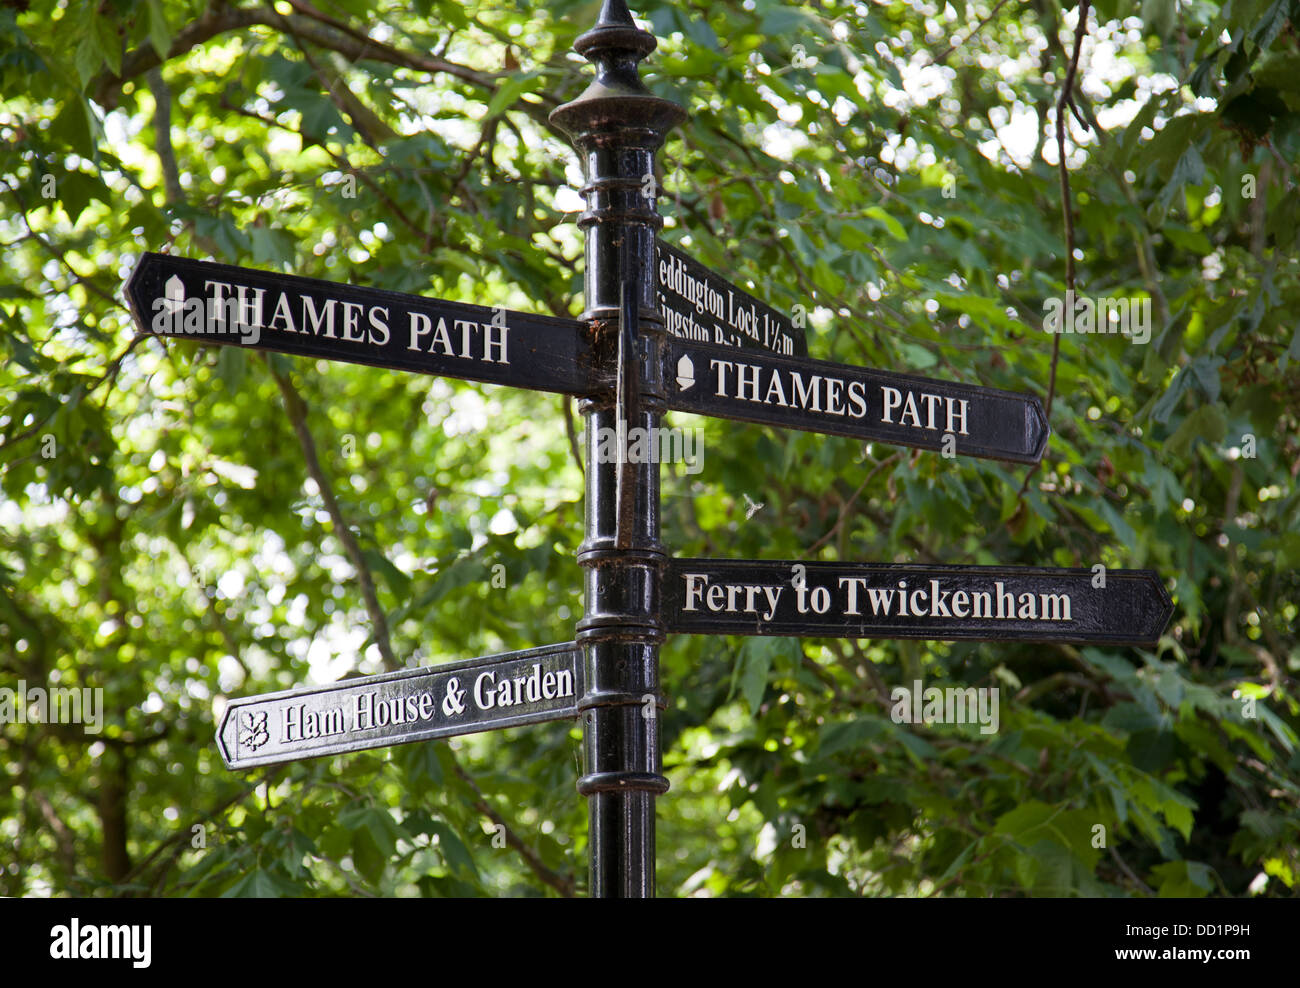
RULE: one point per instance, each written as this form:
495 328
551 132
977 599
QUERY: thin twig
844 511
563 884
571 431
978 28
183 832
162 125
1067 87
1065 100
1123 866
297 410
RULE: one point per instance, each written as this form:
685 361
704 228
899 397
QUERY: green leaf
367 856
1280 729
459 260
1160 16
1206 424
918 357
160 35
782 20
271 246
1190 170
76 190
1130 717
1169 145
1202 81
1271 24
958 862
1183 880
108 41
76 127
454 851
1254 113
753 663
850 735
1025 818
399 583
917 746
1169 400
87 59
510 90
1280 71
232 364
894 228
319 117
260 884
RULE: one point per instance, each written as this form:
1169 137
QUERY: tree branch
844 511
564 884
182 833
976 30
297 410
571 431
1031 693
219 19
162 125
63 837
1065 101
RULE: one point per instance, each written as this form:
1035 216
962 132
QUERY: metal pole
618 126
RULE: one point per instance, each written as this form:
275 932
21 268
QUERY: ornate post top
616 101
616 30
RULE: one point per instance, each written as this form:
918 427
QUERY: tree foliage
889 167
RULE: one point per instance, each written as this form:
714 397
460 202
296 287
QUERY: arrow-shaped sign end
133 290
223 742
1166 611
1038 428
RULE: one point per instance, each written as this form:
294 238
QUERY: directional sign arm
482 694
224 304
843 400
935 602
699 304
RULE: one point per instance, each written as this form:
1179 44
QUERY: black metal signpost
617 126
628 366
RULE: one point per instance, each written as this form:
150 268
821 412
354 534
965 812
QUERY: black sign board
699 305
940 603
842 400
506 690
220 303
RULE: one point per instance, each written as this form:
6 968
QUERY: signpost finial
616 46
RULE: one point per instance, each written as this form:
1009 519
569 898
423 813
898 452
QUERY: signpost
618 126
892 600
842 400
699 305
658 332
495 691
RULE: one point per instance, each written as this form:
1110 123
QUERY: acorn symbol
685 373
174 293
